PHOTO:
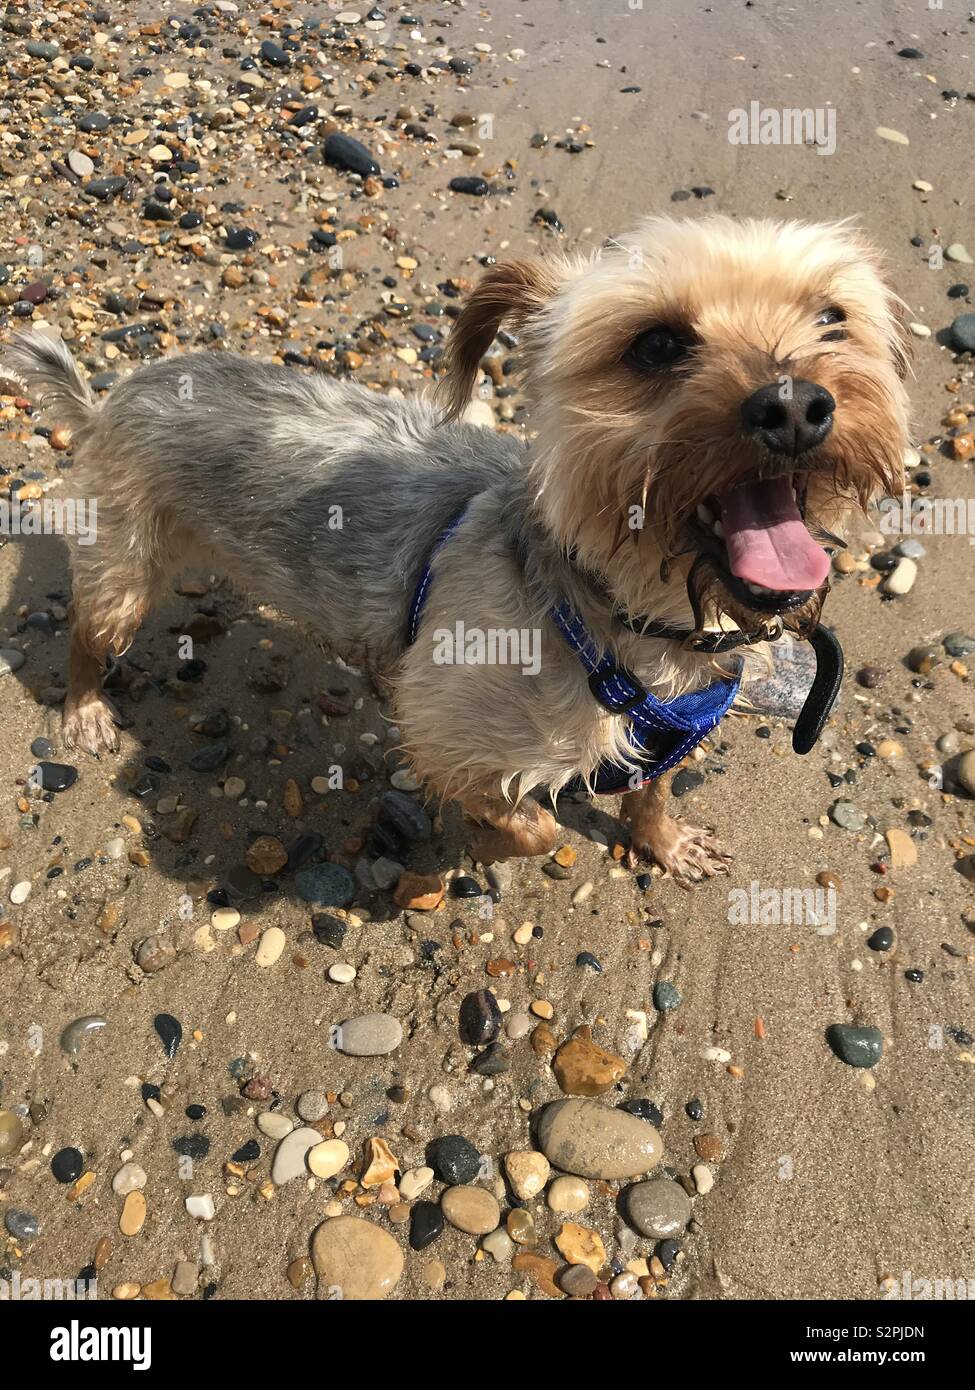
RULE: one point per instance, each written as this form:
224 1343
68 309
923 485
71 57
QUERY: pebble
703 1178
325 885
289 1156
355 1260
346 153
659 1209
581 1246
133 1218
578 1281
471 1209
847 816
10 660
225 919
129 1178
369 1035
959 644
20 892
341 973
962 335
582 1068
328 1158
21 1224
528 1172
185 1278
270 947
312 1105
274 1124
499 1245
170 1033
12 1133
479 1020
895 136
414 1182
595 1141
666 996
568 1194
956 252
426 1224
858 1047
455 1159
900 581
201 1207
66 1165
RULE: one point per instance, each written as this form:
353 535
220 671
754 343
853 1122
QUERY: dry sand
832 1177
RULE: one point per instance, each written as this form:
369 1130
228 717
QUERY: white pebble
341 973
201 1207
20 892
270 947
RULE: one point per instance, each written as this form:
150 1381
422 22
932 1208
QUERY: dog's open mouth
756 537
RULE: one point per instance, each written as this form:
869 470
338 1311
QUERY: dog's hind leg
687 852
504 831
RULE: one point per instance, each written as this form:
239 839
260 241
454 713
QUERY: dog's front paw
90 725
689 853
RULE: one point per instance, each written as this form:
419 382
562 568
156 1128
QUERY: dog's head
718 393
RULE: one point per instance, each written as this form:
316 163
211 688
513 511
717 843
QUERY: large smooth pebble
659 1208
328 1158
289 1156
133 1216
901 580
355 1259
595 1141
471 1209
966 771
270 947
369 1035
568 1194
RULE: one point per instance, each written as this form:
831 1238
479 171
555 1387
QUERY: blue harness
661 732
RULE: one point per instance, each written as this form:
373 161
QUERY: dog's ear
510 292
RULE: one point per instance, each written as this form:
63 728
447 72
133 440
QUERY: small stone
266 856
185 1278
274 1124
956 252
959 644
20 892
369 1035
568 1195
133 1216
455 1159
541 1271
658 1209
419 892
479 1020
129 1178
528 1172
847 816
858 1047
289 1156
300 1271
270 947
328 1158
414 1182
666 996
520 1227
963 333
901 580
578 1281
345 153
355 1260
703 1178
903 849
380 1164
582 1068
12 1133
499 1245
922 659
471 1209
965 771
325 885
21 1224
170 1033
581 1246
426 1224
312 1105
55 777
202 1207
596 1141
894 136
709 1147
225 919
66 1165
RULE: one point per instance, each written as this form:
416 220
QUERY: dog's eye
657 347
831 315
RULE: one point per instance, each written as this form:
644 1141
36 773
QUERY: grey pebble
666 996
21 1225
10 660
312 1105
857 1047
659 1208
325 885
369 1035
847 816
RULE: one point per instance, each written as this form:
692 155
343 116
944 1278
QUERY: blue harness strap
661 732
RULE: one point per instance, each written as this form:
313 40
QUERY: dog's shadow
212 673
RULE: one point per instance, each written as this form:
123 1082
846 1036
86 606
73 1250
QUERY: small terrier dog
709 399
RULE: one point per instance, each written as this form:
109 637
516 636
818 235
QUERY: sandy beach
136 893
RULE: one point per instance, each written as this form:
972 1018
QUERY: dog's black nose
790 416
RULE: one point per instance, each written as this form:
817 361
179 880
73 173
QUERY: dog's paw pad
90 726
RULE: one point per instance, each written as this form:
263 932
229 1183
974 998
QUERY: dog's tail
47 369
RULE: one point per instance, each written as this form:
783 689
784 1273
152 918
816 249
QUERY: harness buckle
598 678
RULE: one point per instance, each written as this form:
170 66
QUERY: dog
709 400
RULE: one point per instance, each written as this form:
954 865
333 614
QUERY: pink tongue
767 539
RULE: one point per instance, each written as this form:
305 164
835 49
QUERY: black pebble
479 1020
881 940
66 1165
455 1159
694 1110
426 1224
959 291
470 183
56 777
247 1152
909 53
42 748
586 958
240 239
686 781
170 1032
209 758
645 1110
916 977
274 56
667 1252
644 882
329 931
150 1091
345 153
490 1062
196 1112
465 887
